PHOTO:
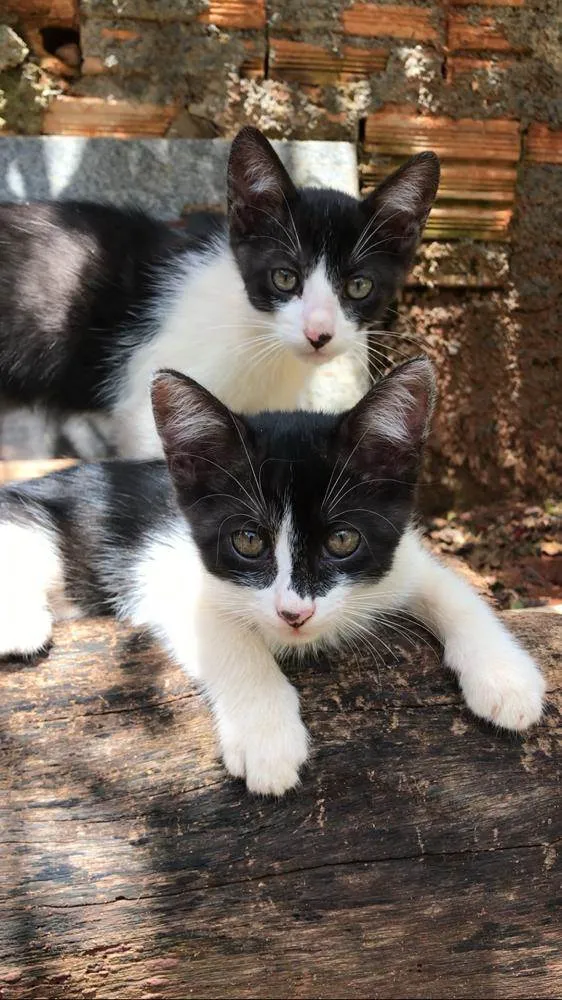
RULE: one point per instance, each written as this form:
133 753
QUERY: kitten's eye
284 279
358 288
343 542
248 543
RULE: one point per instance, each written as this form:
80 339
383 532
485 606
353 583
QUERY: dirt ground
512 551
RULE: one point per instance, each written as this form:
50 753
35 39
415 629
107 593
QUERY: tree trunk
417 859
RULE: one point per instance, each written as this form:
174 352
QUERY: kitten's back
72 275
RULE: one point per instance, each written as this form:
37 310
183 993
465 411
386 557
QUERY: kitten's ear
390 424
197 431
257 180
401 204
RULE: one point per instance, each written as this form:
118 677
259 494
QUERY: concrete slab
163 176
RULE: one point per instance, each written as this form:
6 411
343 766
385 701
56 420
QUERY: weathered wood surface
418 859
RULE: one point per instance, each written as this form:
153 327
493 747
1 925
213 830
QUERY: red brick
463 181
468 221
543 145
491 3
243 14
372 20
315 65
59 12
459 66
485 36
94 116
396 131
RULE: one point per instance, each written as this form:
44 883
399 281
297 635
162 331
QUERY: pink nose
317 338
295 618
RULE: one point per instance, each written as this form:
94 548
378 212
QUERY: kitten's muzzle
318 340
295 618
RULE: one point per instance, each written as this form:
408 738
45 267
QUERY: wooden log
21 469
417 859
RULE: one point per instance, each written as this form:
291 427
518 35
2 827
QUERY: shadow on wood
416 860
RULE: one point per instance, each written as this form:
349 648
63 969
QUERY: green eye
343 542
284 279
358 288
248 543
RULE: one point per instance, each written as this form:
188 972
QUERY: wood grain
31 468
417 859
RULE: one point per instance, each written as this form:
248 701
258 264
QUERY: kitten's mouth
296 636
316 358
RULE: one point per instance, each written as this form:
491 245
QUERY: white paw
266 747
24 630
503 685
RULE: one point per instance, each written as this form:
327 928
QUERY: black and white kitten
261 534
94 300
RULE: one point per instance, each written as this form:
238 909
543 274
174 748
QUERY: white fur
203 623
31 572
281 596
393 420
251 360
498 678
224 635
318 309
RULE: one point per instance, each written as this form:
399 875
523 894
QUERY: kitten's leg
498 678
256 709
30 570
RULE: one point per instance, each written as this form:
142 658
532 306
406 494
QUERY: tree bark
417 859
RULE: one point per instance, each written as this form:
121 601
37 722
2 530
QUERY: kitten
93 300
262 534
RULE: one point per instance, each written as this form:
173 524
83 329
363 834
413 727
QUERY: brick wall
479 84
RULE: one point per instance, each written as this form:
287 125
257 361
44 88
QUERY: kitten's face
322 264
296 514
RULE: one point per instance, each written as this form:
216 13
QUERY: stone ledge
163 176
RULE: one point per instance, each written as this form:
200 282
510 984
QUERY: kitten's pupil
343 542
284 279
249 543
358 287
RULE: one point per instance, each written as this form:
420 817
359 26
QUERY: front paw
503 686
24 631
266 747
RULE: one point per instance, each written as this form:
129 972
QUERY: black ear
199 434
399 207
257 180
387 428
